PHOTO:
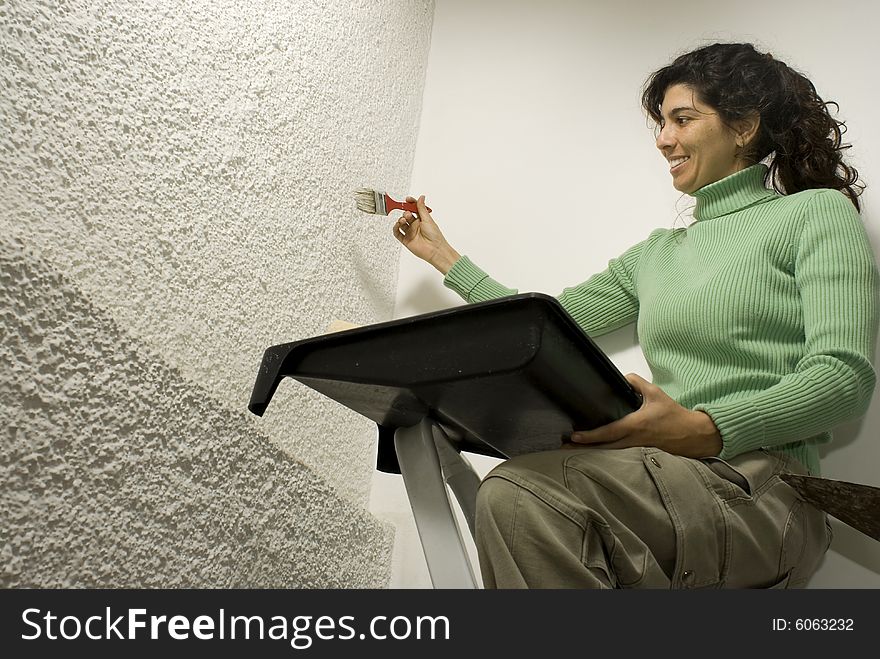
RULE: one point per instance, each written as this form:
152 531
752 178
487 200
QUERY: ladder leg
459 474
444 547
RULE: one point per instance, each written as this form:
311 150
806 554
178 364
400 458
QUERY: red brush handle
391 205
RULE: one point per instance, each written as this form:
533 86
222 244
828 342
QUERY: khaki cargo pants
643 518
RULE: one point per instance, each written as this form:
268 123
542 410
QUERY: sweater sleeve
837 279
609 299
604 302
472 283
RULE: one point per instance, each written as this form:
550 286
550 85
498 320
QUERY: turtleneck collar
732 193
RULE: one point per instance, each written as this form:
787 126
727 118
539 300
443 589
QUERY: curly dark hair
795 126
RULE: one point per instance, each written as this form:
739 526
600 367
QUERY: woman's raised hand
421 236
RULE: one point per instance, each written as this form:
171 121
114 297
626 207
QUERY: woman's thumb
423 209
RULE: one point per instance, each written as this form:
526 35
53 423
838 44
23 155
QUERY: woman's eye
681 121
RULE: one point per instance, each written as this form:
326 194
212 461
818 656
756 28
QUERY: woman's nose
664 138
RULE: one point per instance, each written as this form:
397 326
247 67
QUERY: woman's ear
747 129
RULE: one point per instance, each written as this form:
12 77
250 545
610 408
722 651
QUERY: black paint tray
509 376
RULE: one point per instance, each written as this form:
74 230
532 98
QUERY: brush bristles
366 200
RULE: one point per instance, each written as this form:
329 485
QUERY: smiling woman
758 322
699 146
766 107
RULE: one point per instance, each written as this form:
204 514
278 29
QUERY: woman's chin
683 188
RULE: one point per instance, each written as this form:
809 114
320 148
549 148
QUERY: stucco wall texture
119 471
175 196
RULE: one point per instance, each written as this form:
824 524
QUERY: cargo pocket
698 517
599 545
806 539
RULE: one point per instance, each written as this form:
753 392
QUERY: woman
759 323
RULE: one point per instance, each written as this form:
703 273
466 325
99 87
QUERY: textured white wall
537 160
185 170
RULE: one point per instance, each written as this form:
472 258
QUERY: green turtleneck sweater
762 313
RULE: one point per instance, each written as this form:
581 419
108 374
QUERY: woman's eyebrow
681 108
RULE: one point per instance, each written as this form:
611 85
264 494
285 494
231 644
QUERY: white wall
176 195
536 158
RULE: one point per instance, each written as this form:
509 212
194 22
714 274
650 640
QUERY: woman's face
699 147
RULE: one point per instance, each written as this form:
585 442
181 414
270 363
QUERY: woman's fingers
423 209
406 227
611 432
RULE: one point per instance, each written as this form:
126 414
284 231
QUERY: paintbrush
380 203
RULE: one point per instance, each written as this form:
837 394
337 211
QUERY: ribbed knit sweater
762 313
